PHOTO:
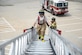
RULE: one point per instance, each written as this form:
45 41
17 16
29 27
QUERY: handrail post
23 43
2 51
19 46
13 50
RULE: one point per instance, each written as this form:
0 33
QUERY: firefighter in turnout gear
53 24
41 24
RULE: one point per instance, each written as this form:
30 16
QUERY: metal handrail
61 45
18 44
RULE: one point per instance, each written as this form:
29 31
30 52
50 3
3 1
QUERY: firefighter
41 24
53 24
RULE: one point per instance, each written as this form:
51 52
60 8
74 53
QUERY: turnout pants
41 29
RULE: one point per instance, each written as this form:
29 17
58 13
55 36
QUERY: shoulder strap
38 19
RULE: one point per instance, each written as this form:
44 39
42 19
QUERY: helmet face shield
41 13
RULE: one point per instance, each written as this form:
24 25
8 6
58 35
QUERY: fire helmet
53 19
41 12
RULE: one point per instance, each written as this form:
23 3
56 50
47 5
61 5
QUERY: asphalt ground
13 19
